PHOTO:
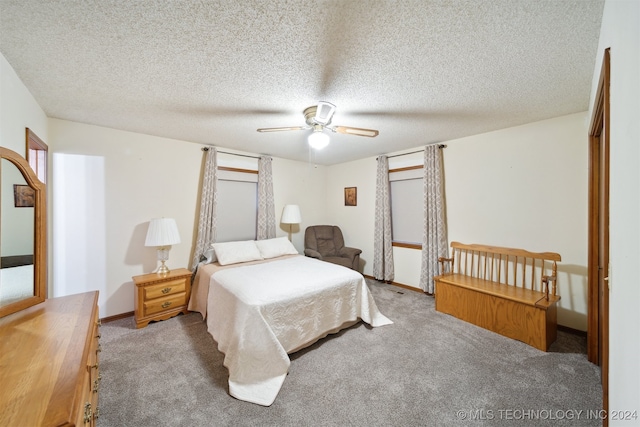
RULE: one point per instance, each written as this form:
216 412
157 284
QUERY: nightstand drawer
164 304
164 289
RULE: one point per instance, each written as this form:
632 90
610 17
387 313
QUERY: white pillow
234 252
271 248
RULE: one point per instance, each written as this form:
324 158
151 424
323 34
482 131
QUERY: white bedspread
16 283
260 313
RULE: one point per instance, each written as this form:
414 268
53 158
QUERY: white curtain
382 248
266 207
434 235
208 203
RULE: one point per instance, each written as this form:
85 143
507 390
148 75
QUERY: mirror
23 269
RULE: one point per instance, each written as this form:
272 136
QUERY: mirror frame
39 233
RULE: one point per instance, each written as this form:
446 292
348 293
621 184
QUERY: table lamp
162 233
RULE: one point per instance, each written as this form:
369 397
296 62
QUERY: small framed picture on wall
351 196
23 195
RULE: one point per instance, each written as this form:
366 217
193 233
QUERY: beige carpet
425 369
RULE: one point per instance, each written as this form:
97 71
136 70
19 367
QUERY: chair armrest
313 254
349 252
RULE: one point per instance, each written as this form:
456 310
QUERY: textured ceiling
213 71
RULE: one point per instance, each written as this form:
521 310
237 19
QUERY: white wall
621 32
302 184
17 230
18 110
526 187
522 187
109 183
355 222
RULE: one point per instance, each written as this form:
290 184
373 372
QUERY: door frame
598 289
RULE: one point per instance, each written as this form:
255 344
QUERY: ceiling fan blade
285 128
324 112
356 131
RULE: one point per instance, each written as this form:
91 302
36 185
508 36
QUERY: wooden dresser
161 296
49 363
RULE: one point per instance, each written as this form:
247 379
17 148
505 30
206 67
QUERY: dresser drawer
163 304
170 287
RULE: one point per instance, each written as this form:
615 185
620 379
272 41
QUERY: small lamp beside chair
291 215
162 233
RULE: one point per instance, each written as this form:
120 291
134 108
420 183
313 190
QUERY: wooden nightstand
159 297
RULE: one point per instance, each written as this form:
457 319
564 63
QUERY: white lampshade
162 232
291 215
318 139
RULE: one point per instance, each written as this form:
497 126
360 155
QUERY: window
37 155
237 208
406 206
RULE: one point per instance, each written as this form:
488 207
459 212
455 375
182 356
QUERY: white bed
16 283
259 312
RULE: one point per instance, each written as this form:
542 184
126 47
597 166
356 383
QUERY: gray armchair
326 243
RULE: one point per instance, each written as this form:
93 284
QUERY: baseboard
116 317
15 261
572 331
400 285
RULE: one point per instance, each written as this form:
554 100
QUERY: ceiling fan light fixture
318 117
317 139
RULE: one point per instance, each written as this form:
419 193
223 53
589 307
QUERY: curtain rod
233 154
413 152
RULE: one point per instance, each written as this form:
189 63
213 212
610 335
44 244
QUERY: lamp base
163 270
163 256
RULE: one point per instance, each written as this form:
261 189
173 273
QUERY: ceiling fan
318 117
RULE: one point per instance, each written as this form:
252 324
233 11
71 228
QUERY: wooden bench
508 291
